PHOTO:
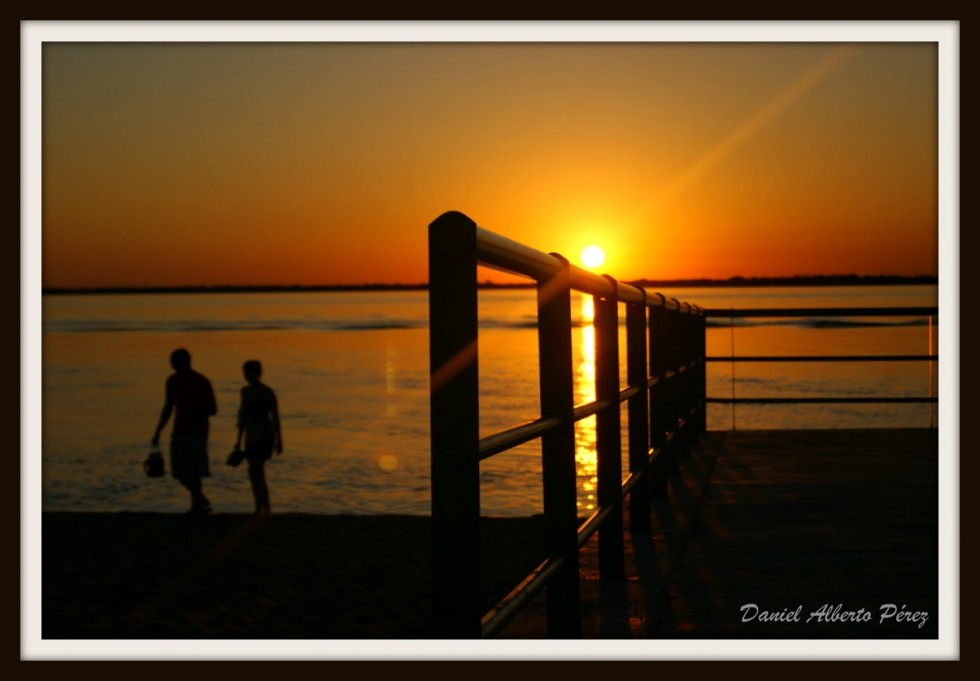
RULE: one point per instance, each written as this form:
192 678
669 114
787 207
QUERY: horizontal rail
510 605
822 400
825 358
628 393
501 253
592 523
518 435
588 409
507 608
931 312
512 437
633 478
670 373
826 312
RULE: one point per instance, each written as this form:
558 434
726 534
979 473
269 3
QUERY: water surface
351 373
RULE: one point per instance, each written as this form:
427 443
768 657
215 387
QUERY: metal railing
665 396
928 312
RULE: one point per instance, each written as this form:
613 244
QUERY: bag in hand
154 466
235 458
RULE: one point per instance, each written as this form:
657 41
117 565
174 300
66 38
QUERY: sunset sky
323 162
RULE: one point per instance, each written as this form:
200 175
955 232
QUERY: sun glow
593 256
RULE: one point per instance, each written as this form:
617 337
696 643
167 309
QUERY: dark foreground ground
292 576
838 523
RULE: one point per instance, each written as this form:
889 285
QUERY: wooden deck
821 530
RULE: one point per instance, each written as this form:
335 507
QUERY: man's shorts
189 456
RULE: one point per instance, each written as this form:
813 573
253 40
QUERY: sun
593 256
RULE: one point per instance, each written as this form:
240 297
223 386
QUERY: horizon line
735 281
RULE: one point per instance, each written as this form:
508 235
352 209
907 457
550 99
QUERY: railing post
608 435
685 351
454 419
673 394
701 375
558 451
659 395
639 432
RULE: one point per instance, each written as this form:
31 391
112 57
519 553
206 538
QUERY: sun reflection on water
585 430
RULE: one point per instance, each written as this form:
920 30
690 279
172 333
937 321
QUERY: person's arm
274 412
212 402
240 425
168 407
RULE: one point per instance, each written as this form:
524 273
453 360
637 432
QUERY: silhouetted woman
258 421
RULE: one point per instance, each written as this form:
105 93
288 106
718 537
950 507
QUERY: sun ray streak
755 123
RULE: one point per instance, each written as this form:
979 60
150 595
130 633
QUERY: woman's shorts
259 449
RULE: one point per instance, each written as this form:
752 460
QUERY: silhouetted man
191 396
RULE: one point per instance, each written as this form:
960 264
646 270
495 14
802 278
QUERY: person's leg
260 491
189 463
199 502
200 471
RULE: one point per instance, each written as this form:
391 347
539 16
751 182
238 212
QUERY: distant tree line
800 280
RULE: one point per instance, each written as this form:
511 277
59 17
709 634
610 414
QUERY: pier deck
788 520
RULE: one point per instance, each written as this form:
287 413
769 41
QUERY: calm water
351 373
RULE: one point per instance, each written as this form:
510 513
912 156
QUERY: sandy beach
228 576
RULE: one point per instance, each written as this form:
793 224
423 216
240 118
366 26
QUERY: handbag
153 466
235 458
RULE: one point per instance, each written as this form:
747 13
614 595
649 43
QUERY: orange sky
323 163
